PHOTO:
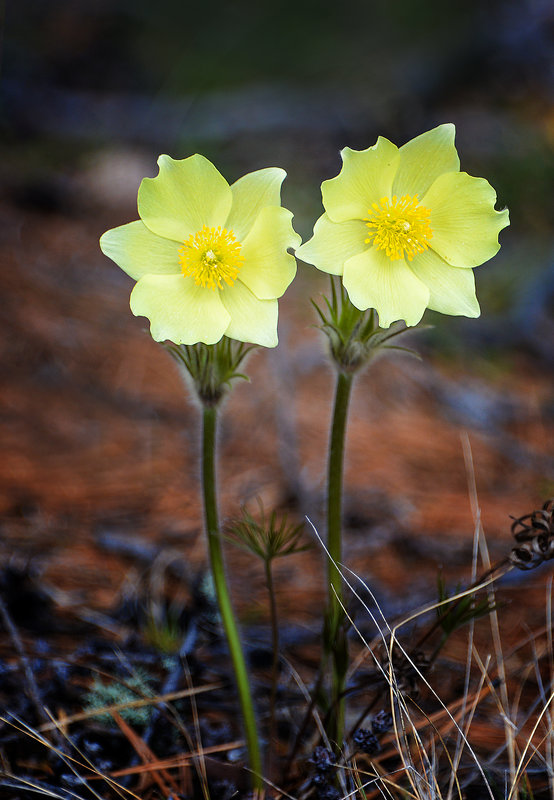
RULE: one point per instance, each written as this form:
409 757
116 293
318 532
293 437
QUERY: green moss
136 687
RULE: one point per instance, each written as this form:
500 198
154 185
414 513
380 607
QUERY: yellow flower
210 260
404 227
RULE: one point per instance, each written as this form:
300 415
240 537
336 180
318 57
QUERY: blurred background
92 92
99 441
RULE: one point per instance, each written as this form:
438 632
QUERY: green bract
403 227
210 260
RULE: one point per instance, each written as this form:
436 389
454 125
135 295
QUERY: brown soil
99 474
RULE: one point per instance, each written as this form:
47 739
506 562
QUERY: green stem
335 634
224 601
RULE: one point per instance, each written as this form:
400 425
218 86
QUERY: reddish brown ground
98 432
99 438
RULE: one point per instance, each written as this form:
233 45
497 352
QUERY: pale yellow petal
423 159
186 195
372 280
464 223
179 310
140 252
452 289
333 243
268 269
366 176
252 193
252 320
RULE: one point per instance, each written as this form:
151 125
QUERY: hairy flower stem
335 634
222 592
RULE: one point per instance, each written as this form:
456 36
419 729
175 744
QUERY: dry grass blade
550 741
397 699
159 775
177 761
200 763
406 729
525 758
74 764
467 677
495 627
23 784
139 703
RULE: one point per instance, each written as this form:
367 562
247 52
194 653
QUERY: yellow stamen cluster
399 226
210 256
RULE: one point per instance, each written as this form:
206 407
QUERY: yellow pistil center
210 256
399 226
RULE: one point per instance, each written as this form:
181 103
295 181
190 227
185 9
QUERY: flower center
399 226
210 256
